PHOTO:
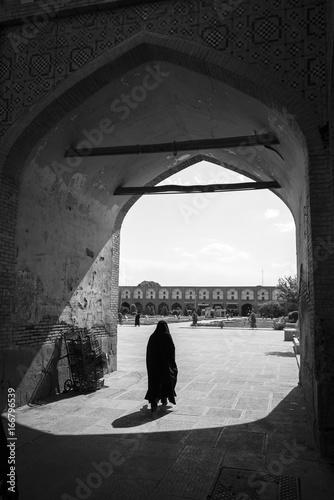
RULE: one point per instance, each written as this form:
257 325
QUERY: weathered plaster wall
63 249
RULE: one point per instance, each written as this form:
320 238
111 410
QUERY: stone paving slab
238 406
192 473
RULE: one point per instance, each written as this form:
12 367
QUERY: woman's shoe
154 405
164 401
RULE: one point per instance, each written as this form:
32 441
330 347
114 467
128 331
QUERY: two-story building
233 300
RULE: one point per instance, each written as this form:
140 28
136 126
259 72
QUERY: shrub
279 324
125 310
271 309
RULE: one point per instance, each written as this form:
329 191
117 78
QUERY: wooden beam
175 147
204 188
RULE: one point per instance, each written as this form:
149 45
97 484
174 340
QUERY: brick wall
290 44
9 192
21 11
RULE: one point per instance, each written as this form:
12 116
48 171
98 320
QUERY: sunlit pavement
239 408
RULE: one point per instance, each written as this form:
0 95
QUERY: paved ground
239 410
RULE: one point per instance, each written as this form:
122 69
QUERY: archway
149 308
139 306
163 307
176 307
232 309
246 309
66 207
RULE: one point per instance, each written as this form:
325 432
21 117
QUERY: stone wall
288 39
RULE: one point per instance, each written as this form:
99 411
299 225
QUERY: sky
243 238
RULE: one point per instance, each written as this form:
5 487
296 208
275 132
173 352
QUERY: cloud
224 253
271 213
188 255
183 253
216 249
237 256
148 266
285 227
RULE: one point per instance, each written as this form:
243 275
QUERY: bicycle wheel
68 385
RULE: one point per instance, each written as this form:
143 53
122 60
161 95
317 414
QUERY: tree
133 309
271 308
288 292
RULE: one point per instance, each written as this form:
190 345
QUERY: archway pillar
317 367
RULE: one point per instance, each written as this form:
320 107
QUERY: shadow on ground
175 460
282 354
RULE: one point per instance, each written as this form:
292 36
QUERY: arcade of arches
134 72
235 301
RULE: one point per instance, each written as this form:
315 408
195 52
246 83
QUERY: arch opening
200 240
66 206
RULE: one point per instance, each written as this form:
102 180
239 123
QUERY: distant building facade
233 300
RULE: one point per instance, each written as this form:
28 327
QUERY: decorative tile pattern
285 37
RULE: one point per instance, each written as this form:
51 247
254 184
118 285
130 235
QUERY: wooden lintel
175 147
204 188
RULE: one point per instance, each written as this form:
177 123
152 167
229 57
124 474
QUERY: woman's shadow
141 417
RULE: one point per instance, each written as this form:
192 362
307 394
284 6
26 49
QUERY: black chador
161 366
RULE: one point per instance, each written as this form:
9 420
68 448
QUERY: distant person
161 367
137 319
195 318
252 320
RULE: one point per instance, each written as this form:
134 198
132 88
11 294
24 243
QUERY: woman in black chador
137 319
161 367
